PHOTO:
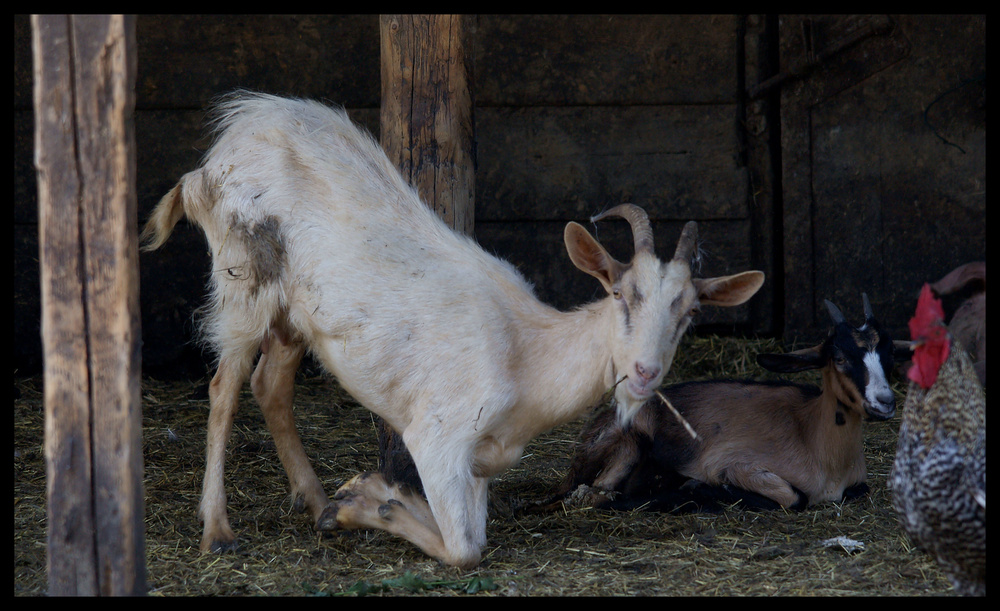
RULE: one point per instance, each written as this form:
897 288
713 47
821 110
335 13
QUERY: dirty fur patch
264 243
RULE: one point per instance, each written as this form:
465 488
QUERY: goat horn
687 242
642 232
834 312
868 307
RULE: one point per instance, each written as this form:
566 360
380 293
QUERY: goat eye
694 312
616 293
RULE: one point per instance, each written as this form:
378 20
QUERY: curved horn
868 307
834 312
642 232
687 242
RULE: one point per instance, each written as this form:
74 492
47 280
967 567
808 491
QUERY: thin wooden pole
84 72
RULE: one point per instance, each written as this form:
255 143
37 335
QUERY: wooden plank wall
576 113
884 155
573 114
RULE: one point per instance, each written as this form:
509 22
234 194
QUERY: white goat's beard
626 406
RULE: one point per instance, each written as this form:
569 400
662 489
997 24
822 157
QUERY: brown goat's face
857 362
863 358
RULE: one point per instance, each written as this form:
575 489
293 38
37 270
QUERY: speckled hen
938 480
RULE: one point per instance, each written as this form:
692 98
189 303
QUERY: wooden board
884 150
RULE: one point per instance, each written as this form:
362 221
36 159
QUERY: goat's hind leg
223 393
273 385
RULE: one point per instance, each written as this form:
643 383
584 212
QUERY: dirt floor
577 552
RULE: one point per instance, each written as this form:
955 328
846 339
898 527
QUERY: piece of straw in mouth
677 414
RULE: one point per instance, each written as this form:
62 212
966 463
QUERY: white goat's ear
792 362
588 255
728 291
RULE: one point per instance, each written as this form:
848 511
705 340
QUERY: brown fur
796 445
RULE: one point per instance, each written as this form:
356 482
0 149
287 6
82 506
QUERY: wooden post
427 130
84 74
426 121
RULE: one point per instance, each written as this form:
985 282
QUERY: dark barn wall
884 162
577 113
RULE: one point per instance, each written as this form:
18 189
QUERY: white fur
878 393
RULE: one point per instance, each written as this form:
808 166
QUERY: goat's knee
764 482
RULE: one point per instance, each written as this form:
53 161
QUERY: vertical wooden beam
759 139
427 118
427 130
798 234
84 73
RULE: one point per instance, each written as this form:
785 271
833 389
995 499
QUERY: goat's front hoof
327 520
349 511
856 491
801 500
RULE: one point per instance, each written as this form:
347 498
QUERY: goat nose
647 372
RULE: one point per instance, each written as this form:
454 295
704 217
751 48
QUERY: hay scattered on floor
581 552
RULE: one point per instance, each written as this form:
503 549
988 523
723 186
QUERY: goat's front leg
600 468
457 498
451 528
273 385
223 393
369 501
756 478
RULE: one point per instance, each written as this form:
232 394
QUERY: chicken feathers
938 480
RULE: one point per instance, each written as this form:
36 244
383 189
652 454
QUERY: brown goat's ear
792 362
956 279
728 291
588 255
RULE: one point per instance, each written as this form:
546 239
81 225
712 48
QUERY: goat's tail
163 219
182 200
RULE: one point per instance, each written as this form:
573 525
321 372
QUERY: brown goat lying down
765 444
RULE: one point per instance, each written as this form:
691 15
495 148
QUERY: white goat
318 243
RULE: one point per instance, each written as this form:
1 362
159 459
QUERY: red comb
928 330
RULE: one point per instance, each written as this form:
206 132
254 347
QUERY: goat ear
728 291
792 362
588 255
956 279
